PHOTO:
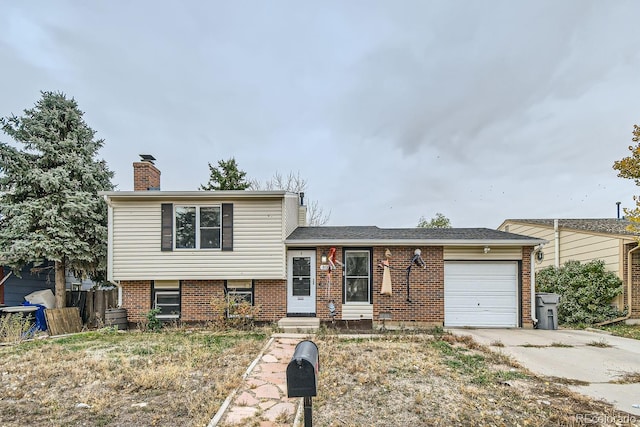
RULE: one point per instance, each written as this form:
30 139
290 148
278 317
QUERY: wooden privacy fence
93 304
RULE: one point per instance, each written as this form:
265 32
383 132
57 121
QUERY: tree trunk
61 288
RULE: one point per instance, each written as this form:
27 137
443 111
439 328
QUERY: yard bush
14 327
233 312
586 291
153 323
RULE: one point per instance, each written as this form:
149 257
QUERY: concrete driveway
595 358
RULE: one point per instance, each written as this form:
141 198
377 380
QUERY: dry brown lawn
441 380
181 377
105 378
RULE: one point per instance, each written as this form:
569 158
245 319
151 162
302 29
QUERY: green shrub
153 323
586 291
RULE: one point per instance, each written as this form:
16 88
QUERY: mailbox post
302 376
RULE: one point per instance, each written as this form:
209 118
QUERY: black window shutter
227 226
166 235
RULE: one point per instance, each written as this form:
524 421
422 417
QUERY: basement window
239 293
166 297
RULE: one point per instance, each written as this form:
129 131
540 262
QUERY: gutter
556 237
410 242
534 319
195 195
107 199
629 283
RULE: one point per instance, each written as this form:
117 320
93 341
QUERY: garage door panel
483 299
481 294
486 319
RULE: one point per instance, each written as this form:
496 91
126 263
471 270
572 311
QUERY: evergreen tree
50 209
226 176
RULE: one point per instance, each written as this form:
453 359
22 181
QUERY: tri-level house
175 250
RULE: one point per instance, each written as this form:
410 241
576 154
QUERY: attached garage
481 293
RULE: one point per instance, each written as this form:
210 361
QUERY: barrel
116 317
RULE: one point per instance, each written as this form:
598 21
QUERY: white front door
301 284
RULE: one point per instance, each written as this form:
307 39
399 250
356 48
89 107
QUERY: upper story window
198 227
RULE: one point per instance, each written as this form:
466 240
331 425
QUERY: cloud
391 111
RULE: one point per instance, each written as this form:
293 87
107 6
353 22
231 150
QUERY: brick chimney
145 175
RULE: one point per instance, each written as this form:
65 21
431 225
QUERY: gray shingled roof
598 225
372 233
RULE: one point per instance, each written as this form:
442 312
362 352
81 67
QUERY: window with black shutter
166 236
197 227
227 226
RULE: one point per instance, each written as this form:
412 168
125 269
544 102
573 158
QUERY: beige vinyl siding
574 245
544 233
290 223
258 247
584 247
357 311
452 253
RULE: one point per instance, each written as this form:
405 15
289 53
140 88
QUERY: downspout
556 237
629 287
110 249
534 319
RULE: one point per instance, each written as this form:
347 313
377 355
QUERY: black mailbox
302 371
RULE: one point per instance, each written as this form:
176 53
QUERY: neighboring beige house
584 240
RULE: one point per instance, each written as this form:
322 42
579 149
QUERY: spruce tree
226 176
49 204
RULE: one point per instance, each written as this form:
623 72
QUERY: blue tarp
41 321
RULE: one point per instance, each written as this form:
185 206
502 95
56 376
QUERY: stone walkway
262 398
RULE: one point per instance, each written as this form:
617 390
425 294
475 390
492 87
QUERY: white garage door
481 294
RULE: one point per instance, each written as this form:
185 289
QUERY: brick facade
271 298
635 285
329 286
525 286
136 299
635 281
196 295
145 176
426 286
195 299
426 291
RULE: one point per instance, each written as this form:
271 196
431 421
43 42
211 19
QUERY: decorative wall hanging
416 260
386 288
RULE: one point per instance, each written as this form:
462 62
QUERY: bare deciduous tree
293 183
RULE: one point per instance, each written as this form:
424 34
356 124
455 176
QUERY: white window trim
238 292
197 236
166 292
368 276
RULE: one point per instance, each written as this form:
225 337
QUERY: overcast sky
480 110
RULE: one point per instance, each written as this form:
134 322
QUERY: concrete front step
299 324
